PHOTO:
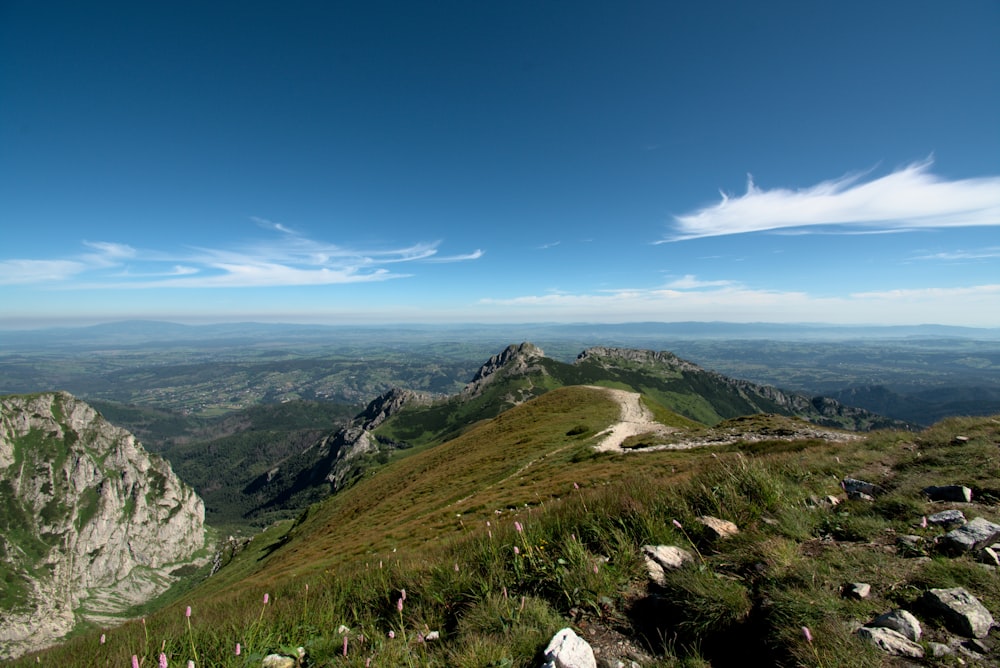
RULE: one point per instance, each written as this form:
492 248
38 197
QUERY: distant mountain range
402 419
146 332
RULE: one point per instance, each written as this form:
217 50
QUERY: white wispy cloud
909 198
960 255
474 255
691 282
733 302
23 272
285 258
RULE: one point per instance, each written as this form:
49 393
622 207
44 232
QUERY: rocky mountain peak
92 524
610 356
515 358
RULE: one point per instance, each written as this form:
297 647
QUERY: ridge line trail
635 419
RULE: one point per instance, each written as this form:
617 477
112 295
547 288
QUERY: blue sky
380 162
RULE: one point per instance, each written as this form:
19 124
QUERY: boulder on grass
892 642
663 558
958 493
901 621
568 650
718 528
961 612
974 535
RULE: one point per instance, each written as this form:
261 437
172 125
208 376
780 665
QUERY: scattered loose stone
960 611
959 493
663 558
343 630
719 528
433 635
857 590
891 641
568 650
988 556
960 440
939 650
947 517
976 534
901 621
857 488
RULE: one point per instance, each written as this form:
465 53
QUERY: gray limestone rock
961 612
974 535
568 650
901 621
890 641
857 590
947 517
719 528
663 558
858 488
107 521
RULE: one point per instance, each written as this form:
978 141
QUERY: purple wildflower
163 660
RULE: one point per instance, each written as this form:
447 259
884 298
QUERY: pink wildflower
187 613
807 634
399 606
678 525
923 522
575 486
517 550
190 663
595 569
402 594
163 660
345 646
135 661
103 639
266 599
518 527
238 649
392 634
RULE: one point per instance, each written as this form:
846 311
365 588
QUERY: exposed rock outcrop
514 359
91 523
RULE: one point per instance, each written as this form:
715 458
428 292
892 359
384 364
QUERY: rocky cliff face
512 360
90 523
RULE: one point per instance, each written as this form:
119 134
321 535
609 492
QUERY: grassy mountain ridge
578 520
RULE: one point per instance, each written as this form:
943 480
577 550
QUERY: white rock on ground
568 650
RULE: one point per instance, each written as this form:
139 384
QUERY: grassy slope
421 524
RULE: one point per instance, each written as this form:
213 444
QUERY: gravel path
635 419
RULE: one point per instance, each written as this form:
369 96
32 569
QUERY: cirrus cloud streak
909 198
286 259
